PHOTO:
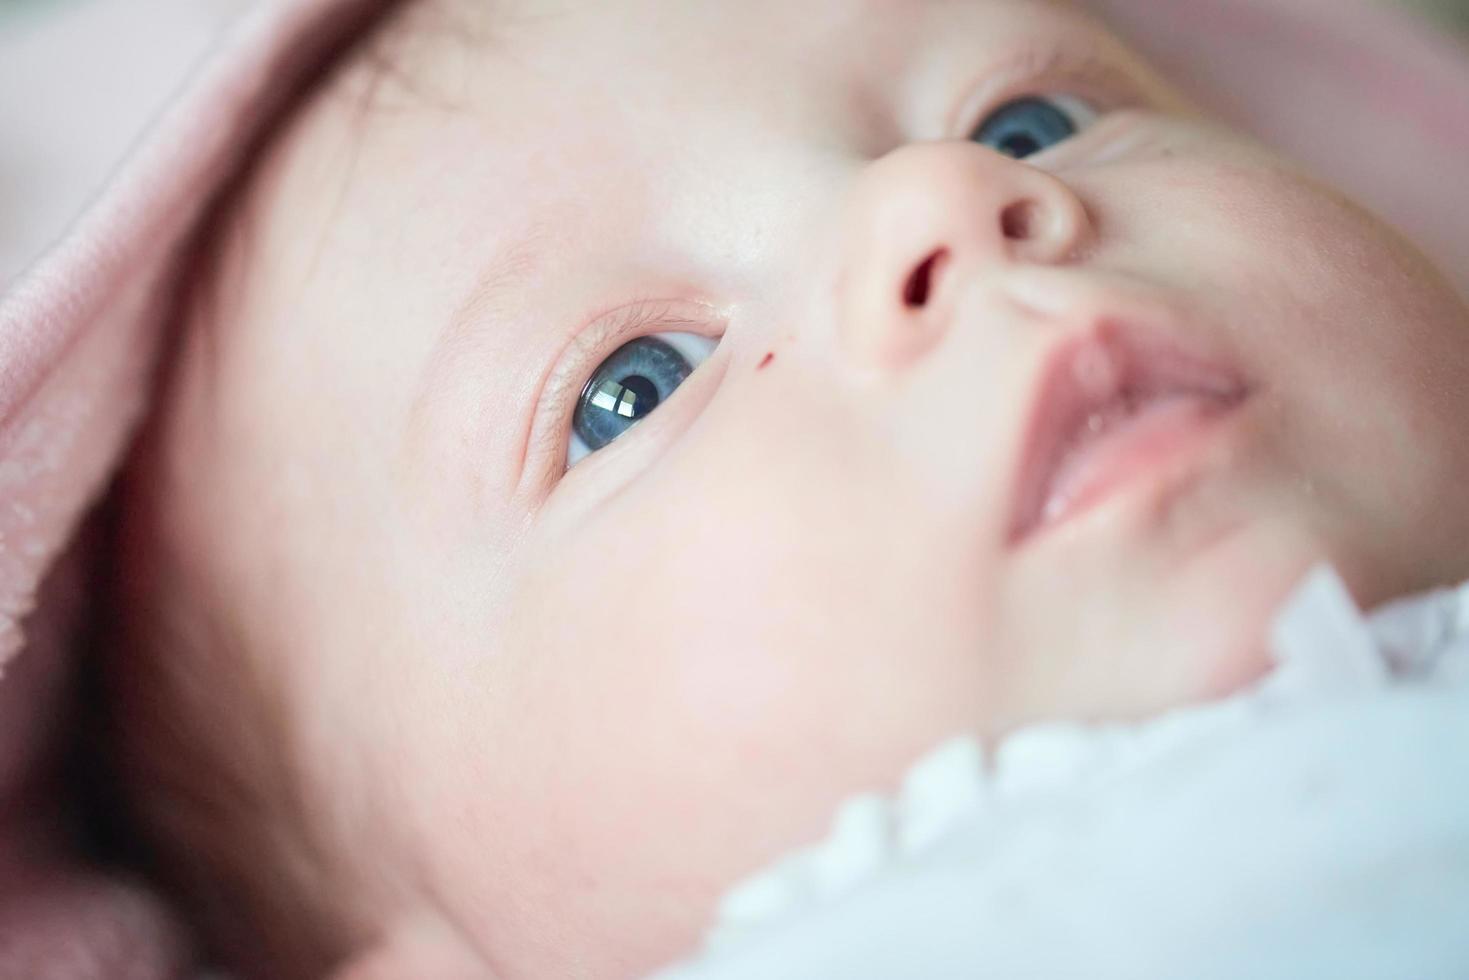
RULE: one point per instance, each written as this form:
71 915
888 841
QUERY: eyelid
1045 67
551 428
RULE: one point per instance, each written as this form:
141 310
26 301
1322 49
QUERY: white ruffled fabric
1315 826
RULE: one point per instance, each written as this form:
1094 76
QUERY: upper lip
1106 367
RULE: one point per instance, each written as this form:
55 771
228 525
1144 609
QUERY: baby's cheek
690 634
1360 349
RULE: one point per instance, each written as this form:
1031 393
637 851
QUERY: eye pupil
1019 146
631 398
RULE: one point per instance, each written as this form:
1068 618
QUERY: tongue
1115 445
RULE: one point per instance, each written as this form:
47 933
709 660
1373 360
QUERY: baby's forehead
590 86
510 135
583 146
427 52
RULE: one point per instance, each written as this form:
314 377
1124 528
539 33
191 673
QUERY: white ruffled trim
1324 649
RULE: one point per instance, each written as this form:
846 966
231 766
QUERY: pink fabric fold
79 342
1373 101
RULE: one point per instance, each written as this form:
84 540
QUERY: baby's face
983 440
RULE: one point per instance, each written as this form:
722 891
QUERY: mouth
1110 410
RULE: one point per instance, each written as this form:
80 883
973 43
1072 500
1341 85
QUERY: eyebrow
505 275
463 338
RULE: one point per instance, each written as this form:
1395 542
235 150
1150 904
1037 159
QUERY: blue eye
1027 126
637 378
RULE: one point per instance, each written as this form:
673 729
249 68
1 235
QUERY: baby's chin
1218 616
1196 632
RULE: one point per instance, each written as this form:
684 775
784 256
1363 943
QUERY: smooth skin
539 718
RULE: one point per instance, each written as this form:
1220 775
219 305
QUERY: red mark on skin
765 361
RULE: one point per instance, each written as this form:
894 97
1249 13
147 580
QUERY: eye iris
1025 127
636 379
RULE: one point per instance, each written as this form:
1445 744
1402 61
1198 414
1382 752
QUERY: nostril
920 284
1018 221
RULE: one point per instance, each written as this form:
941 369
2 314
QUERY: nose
926 218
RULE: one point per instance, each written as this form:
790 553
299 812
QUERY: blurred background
79 79
1453 14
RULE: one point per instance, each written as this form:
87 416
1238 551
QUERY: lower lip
1134 449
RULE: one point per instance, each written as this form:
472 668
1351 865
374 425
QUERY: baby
603 436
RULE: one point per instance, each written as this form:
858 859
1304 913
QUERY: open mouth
1109 410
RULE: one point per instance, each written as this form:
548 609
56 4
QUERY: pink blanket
1373 101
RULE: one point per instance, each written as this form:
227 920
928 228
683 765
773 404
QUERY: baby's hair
386 77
